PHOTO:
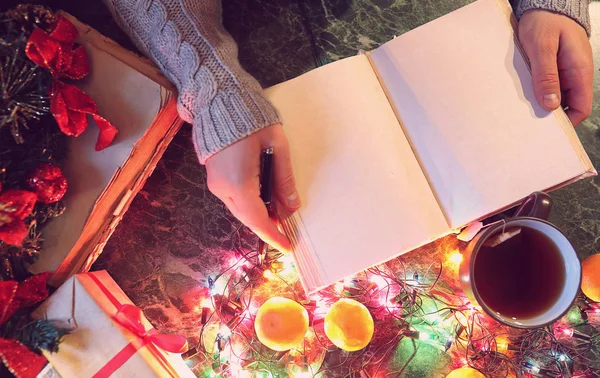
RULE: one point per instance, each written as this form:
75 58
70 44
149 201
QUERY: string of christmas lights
415 312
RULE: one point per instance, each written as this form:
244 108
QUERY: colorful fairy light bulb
502 343
391 305
338 287
268 274
224 331
217 287
574 315
562 358
427 336
322 307
455 258
287 260
379 280
262 374
303 374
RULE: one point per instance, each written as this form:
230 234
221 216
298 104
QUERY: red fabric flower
48 182
15 206
69 105
21 361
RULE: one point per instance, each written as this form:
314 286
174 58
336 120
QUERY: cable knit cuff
231 116
578 10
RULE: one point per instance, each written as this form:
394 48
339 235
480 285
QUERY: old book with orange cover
132 94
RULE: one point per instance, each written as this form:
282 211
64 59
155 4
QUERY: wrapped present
109 335
48 372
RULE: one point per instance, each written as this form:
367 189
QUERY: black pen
266 183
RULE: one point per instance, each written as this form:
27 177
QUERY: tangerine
281 324
465 372
590 277
349 325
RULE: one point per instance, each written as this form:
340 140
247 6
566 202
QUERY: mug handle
537 205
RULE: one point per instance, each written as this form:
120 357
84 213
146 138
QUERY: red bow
69 105
15 205
19 360
130 317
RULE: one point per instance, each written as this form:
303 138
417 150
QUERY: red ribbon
54 50
130 317
19 360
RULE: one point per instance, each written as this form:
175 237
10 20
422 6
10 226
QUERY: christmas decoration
281 324
423 325
103 317
37 112
15 206
54 50
21 338
48 182
22 83
37 51
590 277
349 325
28 136
465 372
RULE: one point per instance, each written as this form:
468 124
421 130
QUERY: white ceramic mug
531 214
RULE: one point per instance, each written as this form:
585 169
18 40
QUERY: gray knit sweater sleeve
578 10
187 41
224 103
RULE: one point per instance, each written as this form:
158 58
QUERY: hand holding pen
233 176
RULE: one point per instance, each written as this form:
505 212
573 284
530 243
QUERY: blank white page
364 197
465 98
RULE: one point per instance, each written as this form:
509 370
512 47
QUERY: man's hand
561 62
233 176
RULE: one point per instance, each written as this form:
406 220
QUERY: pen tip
269 150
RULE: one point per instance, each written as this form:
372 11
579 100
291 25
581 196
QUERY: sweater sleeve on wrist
187 41
578 10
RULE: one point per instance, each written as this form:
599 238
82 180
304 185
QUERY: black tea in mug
521 277
522 271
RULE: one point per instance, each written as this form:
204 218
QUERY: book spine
410 142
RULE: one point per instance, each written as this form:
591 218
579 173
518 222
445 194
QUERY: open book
132 94
400 146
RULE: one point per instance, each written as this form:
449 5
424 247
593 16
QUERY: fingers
544 71
576 79
561 62
233 176
250 210
579 101
576 116
283 178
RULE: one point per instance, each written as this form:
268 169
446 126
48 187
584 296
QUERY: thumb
283 180
544 71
